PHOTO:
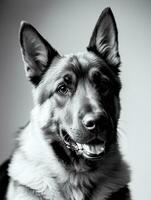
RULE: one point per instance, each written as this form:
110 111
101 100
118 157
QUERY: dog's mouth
94 149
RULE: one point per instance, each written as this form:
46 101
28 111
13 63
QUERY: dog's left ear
37 53
104 39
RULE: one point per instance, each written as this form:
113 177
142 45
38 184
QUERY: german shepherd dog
69 149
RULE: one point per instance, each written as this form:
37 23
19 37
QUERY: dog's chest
74 194
75 188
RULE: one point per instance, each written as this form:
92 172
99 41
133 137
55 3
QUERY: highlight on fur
69 149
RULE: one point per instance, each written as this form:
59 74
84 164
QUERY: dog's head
76 96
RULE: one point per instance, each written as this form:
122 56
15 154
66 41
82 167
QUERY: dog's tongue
93 149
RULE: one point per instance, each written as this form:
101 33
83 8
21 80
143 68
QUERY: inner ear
104 39
37 52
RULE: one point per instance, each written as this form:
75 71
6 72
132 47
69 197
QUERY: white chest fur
36 174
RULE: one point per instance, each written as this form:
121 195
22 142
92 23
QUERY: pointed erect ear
104 40
37 53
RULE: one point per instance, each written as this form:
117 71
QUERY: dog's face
76 96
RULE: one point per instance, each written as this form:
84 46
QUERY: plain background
67 25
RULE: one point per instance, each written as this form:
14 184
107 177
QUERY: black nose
89 122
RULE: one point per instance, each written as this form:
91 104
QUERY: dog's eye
104 86
101 82
62 89
96 77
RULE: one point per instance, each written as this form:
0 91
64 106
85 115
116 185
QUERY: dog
69 149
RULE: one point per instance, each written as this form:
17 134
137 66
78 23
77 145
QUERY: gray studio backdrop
67 25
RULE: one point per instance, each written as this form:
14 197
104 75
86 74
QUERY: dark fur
76 97
4 179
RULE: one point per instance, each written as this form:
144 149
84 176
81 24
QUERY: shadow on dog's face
76 96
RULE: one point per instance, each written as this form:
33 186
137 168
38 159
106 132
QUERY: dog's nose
89 122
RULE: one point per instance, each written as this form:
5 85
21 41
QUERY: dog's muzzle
94 149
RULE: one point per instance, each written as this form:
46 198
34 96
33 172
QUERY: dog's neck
78 179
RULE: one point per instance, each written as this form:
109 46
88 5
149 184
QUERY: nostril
88 123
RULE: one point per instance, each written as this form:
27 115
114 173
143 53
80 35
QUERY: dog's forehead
84 60
81 63
78 64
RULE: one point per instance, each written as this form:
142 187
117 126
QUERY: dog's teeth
93 149
86 148
80 146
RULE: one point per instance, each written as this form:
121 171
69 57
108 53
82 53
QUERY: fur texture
69 149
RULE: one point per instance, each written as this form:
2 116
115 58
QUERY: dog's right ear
37 53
